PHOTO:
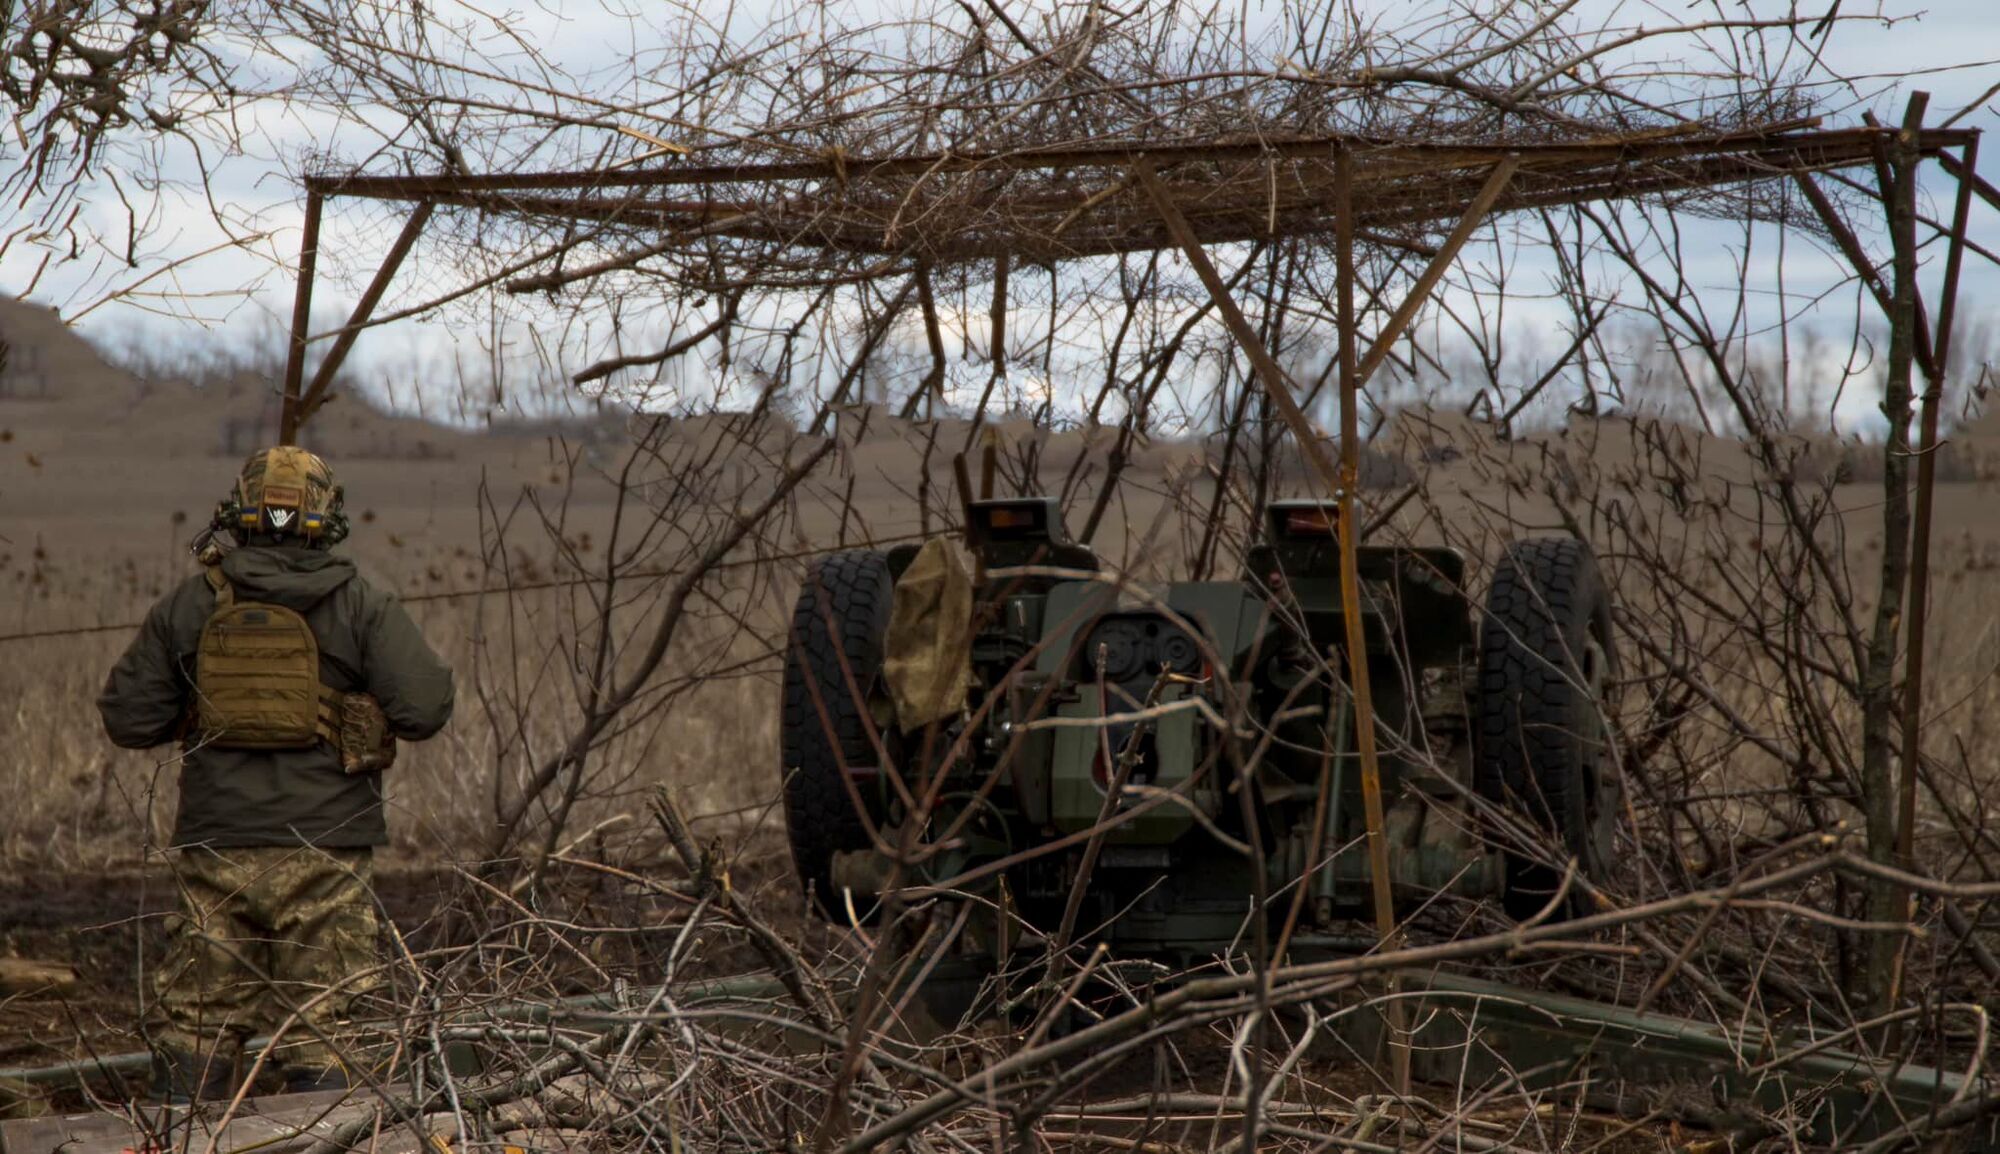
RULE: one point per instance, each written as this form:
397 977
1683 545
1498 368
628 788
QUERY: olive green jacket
245 797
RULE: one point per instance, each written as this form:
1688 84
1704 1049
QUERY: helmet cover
286 491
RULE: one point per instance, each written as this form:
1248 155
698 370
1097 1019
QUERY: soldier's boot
181 1077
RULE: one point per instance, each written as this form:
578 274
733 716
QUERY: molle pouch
256 678
366 745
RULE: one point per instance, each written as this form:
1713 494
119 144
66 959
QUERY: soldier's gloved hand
366 745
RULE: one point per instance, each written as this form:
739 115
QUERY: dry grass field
104 476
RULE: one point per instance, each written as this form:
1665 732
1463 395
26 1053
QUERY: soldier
286 679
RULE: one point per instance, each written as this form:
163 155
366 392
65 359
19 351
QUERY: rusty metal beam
1968 183
1385 205
316 393
295 363
1857 258
1277 384
1351 377
1123 156
1963 170
1844 238
1427 281
1920 533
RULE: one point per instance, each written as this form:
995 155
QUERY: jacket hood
293 576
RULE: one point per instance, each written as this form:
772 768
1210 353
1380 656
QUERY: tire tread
1540 609
819 815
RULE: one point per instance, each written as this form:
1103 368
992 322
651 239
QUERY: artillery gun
1165 743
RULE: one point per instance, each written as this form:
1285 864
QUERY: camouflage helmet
285 491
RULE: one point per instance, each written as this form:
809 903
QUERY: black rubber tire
820 819
1539 746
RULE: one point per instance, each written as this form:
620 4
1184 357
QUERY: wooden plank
27 977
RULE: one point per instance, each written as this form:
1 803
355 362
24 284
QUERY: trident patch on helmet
286 491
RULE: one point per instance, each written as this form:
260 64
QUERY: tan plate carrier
257 686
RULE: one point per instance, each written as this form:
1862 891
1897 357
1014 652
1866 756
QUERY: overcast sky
1950 43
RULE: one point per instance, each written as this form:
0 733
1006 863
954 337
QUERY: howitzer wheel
1541 747
838 628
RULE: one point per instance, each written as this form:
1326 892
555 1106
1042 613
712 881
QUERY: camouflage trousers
265 933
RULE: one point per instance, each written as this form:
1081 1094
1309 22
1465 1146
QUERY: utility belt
257 686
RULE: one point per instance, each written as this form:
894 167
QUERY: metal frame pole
1427 281
322 382
295 364
1920 533
1857 257
1350 573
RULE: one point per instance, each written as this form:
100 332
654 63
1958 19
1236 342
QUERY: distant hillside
52 378
94 457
